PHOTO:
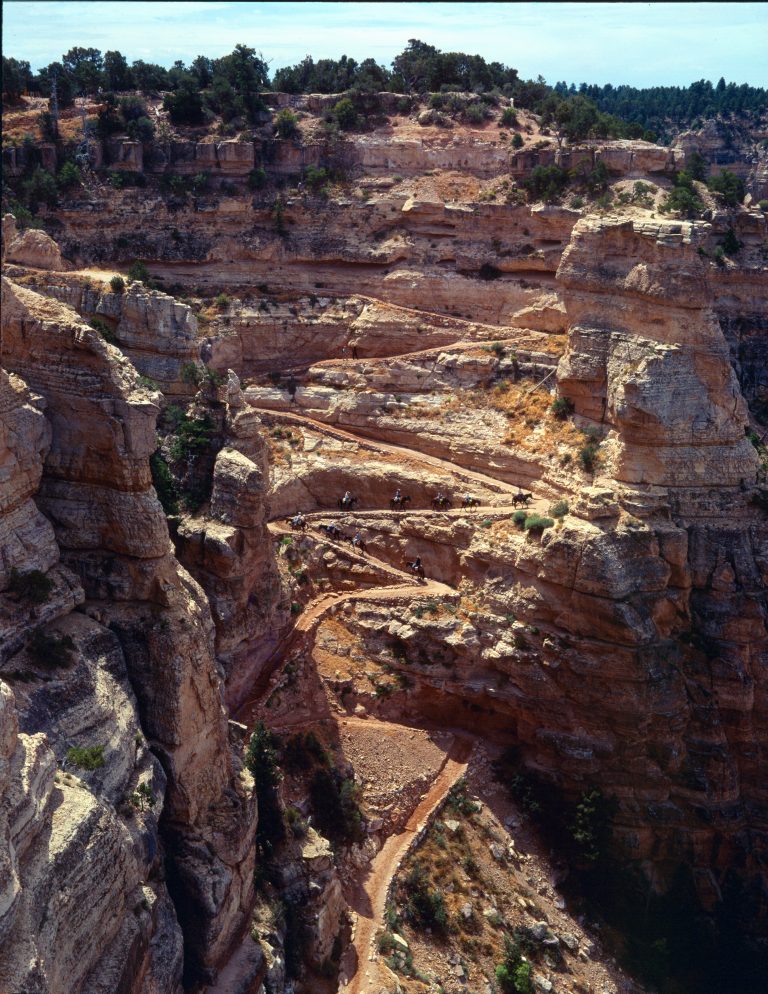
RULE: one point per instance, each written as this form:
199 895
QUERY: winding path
368 898
401 451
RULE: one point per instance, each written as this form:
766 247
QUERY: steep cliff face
229 551
137 664
648 359
155 331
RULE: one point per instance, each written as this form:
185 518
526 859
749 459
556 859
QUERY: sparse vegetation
536 524
261 759
286 123
335 802
32 585
165 485
50 651
562 408
138 272
559 509
86 757
117 284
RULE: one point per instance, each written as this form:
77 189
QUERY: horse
332 531
470 502
441 503
358 543
298 523
347 503
398 503
521 498
417 569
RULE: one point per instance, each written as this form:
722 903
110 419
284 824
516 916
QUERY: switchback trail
368 898
309 621
401 451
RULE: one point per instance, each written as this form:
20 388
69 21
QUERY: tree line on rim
232 86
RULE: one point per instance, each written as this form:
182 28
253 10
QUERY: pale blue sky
643 44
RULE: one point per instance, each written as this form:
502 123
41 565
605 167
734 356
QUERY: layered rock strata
140 665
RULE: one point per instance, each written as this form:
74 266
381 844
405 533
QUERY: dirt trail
368 898
344 551
311 618
463 345
401 451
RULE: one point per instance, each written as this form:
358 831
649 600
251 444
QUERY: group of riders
439 502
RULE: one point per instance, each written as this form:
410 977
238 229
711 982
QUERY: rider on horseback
398 496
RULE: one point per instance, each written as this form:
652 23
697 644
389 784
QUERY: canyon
419 327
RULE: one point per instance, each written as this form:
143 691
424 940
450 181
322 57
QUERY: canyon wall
121 663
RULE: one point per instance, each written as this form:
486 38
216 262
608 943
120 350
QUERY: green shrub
576 203
315 177
286 123
138 272
141 130
165 486
104 330
40 188
222 301
191 437
728 187
517 140
50 650
261 760
295 822
335 802
588 456
424 907
117 284
142 798
590 825
508 118
546 183
536 523
763 205
201 182
559 509
69 176
562 408
476 113
303 751
33 586
730 243
191 373
385 943
514 975
683 200
345 115
278 214
257 179
86 757
519 518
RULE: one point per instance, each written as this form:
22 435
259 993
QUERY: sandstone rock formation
30 248
385 336
111 534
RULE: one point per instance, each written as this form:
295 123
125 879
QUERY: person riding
416 564
398 495
358 539
468 498
347 498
